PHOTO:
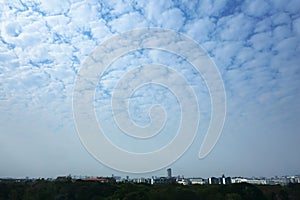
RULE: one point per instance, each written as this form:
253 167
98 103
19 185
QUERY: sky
255 46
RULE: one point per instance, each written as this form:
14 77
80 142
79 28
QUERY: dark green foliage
172 192
68 190
277 192
246 191
233 196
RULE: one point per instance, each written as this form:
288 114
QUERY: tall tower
169 173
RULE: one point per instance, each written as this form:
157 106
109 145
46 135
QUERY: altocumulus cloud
255 44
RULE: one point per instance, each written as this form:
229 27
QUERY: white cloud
296 26
235 27
245 54
287 47
81 13
8 61
57 23
200 29
293 7
261 41
54 7
13 29
212 8
277 5
281 32
118 8
225 52
172 19
128 22
155 8
281 18
263 25
256 8
99 30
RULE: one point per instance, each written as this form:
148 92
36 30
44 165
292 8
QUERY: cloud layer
255 45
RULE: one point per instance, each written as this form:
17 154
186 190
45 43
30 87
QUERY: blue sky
255 45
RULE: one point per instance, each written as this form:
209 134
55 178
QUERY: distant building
163 180
225 180
294 179
213 180
118 179
222 180
256 181
199 181
169 173
7 180
101 179
141 180
278 181
238 180
183 181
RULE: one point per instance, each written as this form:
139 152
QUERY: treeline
73 190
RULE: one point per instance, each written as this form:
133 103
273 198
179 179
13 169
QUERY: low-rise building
141 180
199 181
163 180
222 180
183 181
257 181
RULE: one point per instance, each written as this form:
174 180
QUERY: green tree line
73 190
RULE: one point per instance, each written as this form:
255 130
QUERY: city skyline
168 179
255 46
